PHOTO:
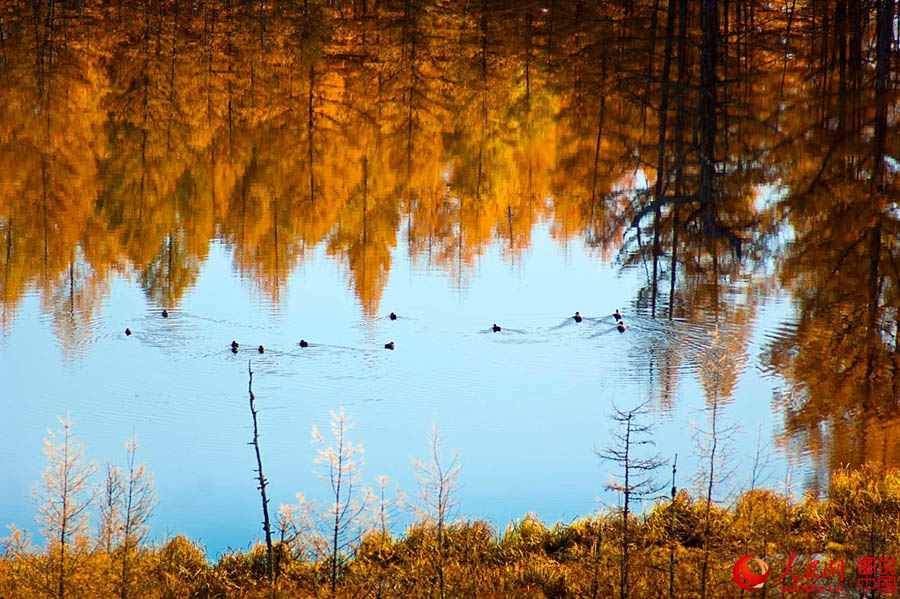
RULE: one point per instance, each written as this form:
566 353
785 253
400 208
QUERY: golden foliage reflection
728 151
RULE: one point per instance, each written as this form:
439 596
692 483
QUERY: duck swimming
303 343
234 345
393 316
127 332
261 349
495 328
618 315
389 345
165 313
621 326
577 317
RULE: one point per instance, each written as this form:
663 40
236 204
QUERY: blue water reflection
524 408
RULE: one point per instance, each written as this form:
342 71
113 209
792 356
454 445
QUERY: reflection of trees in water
131 136
841 360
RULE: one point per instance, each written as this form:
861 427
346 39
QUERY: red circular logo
746 579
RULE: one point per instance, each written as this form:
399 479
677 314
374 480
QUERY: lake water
279 188
524 408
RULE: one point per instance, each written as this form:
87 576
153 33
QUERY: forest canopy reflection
733 146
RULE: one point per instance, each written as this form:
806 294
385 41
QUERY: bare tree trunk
826 34
597 147
679 144
63 500
309 132
528 40
260 477
126 533
174 54
645 101
661 147
709 20
672 533
413 81
64 524
438 481
337 483
623 588
840 23
595 556
704 572
884 15
139 501
631 434
787 45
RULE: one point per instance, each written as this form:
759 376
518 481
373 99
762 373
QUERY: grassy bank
669 544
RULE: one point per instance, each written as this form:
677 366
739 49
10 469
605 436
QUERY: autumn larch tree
438 481
63 499
637 473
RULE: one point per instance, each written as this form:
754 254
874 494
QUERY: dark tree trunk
708 107
263 483
661 148
680 123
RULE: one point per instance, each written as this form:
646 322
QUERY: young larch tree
438 481
63 497
137 503
637 481
332 531
110 525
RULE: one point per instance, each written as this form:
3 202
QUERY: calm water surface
524 408
268 175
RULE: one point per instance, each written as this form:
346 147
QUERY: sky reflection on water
524 408
459 168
